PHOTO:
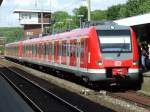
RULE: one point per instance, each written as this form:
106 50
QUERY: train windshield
115 40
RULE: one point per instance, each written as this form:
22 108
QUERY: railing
45 20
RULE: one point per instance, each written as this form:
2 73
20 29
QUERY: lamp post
80 16
60 25
89 9
69 21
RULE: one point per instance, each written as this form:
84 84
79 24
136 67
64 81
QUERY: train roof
69 34
106 25
99 25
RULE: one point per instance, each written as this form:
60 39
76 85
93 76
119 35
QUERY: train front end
118 56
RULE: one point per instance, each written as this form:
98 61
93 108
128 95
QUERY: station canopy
135 20
31 11
1 2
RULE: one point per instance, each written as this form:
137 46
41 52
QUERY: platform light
100 63
135 62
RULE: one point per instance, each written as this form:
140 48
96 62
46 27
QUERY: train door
39 53
50 51
83 53
29 51
53 52
73 52
60 51
68 52
20 49
46 51
38 49
64 53
43 51
34 51
56 51
78 46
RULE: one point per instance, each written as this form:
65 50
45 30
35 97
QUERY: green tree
113 12
11 34
98 15
81 11
133 7
63 21
144 6
123 12
60 16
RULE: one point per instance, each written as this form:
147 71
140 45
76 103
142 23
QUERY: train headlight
100 63
135 62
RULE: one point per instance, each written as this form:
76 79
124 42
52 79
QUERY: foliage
131 8
63 21
60 16
82 11
113 12
11 34
98 15
144 6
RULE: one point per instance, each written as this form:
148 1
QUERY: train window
46 48
82 48
64 47
53 48
60 49
25 50
35 50
56 48
68 46
50 48
115 40
38 48
73 49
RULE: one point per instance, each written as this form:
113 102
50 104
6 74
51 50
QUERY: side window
56 48
60 48
46 48
53 48
68 47
50 48
64 48
73 49
82 48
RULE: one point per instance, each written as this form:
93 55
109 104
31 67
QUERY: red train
98 52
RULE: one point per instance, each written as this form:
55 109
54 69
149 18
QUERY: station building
34 22
141 26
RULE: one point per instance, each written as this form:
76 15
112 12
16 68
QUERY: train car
97 52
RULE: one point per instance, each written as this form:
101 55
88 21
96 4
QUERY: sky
9 19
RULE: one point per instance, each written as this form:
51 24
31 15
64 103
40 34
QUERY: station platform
146 83
10 100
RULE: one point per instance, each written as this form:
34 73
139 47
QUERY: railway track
127 96
133 97
40 99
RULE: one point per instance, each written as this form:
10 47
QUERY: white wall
28 18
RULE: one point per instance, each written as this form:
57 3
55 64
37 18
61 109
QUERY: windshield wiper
119 53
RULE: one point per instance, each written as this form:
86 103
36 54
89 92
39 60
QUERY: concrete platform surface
10 101
146 83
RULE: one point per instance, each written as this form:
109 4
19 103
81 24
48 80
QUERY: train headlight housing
135 62
100 63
